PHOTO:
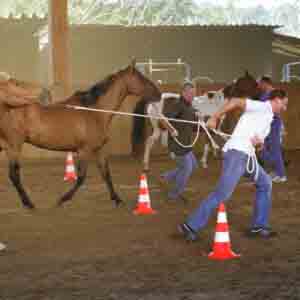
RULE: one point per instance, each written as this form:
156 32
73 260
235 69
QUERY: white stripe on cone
222 218
70 168
144 198
222 237
144 184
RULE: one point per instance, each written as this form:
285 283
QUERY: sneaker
2 246
261 232
187 232
272 174
278 179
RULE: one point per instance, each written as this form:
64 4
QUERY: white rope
174 137
252 164
199 122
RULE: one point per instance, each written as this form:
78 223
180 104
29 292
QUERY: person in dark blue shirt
272 152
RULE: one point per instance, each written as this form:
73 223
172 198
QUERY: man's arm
172 109
233 104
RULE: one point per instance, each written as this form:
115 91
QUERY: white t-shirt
255 121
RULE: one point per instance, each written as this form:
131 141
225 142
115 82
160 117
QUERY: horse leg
205 155
215 152
103 166
14 176
149 144
82 165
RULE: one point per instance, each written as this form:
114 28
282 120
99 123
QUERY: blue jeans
234 166
272 151
185 165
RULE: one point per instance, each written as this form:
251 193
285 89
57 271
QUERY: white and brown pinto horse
245 86
206 105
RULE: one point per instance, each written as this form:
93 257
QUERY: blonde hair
4 76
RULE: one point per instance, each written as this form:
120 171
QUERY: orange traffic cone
143 205
70 173
222 247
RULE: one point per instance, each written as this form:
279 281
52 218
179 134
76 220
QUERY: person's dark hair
277 93
266 79
187 84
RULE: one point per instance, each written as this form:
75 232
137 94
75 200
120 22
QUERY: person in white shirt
240 160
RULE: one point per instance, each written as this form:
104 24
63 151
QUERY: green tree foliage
164 12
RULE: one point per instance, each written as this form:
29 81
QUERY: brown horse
61 128
244 87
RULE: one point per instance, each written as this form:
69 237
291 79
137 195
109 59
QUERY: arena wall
214 51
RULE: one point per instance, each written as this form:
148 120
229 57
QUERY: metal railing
287 72
165 67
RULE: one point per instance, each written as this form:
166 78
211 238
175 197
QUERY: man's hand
174 133
257 142
199 115
212 122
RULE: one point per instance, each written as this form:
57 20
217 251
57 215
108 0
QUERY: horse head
139 85
245 86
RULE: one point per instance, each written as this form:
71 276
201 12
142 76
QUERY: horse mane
144 78
245 86
90 96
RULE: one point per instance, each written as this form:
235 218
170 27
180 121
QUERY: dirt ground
91 250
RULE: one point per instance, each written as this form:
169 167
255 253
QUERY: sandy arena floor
90 250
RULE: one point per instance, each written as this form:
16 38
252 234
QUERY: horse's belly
56 132
54 141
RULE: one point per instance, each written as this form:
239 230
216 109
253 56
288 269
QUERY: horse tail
138 133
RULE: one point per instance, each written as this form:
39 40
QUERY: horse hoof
59 203
118 202
29 206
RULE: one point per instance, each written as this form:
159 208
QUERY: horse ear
132 65
247 74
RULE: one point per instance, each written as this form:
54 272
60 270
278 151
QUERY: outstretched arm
172 108
233 104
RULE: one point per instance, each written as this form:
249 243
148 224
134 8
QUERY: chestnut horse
62 128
